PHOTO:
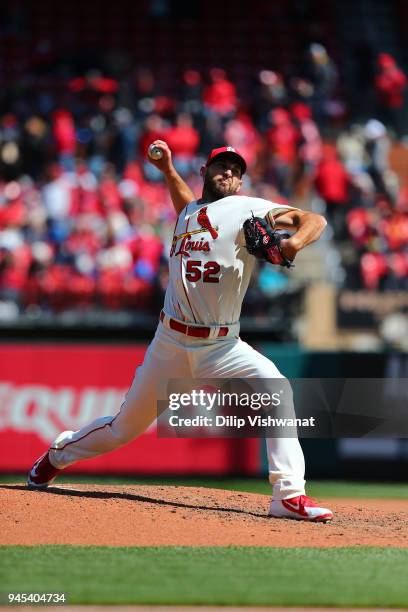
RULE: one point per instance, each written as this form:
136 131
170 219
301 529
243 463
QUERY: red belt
190 330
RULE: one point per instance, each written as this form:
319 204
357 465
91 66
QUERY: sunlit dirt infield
143 515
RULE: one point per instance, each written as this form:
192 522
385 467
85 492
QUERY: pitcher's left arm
307 227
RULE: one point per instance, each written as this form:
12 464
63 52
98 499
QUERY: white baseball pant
172 355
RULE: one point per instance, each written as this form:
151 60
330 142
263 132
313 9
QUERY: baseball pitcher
215 243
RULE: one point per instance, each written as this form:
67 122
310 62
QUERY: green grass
343 577
319 488
361 490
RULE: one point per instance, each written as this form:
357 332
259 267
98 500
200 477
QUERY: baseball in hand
154 152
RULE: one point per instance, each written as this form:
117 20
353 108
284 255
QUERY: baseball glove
264 243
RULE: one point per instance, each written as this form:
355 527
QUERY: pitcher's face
222 178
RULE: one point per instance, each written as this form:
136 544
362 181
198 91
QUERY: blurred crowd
86 221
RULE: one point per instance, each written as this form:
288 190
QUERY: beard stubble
214 191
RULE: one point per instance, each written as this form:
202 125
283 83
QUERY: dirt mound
165 516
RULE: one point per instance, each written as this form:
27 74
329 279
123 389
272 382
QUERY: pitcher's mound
185 516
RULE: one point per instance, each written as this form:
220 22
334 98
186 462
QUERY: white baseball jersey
210 270
209 266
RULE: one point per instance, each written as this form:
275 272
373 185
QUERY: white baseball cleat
43 473
300 508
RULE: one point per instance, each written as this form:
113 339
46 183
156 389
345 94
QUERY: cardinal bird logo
204 221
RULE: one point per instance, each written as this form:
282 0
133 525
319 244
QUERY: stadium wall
48 387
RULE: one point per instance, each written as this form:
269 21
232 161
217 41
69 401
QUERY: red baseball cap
227 151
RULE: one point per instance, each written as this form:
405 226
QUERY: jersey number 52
195 270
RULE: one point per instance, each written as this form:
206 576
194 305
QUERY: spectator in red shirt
84 196
154 129
53 285
13 273
332 183
220 97
360 226
241 133
310 145
63 129
390 84
282 139
394 229
398 266
12 209
373 269
110 197
183 139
